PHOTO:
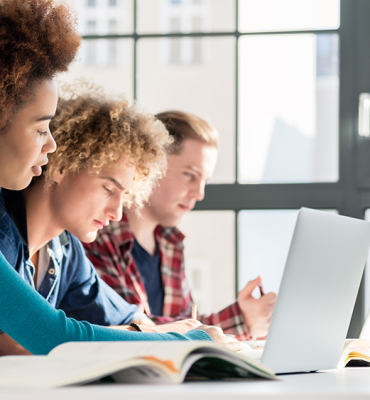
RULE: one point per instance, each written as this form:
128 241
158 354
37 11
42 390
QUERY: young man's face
85 202
183 185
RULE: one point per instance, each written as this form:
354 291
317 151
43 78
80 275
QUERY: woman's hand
182 326
227 341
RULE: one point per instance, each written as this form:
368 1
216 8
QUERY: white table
344 384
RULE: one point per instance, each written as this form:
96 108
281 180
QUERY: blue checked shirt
71 282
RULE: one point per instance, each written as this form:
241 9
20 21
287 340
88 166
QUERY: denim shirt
71 282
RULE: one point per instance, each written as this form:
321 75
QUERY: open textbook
356 354
128 362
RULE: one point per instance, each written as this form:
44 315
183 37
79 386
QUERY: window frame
351 194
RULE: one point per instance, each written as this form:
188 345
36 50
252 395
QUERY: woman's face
27 140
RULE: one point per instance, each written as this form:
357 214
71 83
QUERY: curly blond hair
92 130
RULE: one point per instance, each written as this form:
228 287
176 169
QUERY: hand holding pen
256 312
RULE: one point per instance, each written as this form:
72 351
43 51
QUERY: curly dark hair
92 129
38 39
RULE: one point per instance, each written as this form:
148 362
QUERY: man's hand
256 312
218 336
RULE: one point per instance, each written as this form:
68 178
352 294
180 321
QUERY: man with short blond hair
142 256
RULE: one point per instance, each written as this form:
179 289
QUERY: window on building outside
197 42
91 45
175 48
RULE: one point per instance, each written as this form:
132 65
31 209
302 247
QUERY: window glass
288 15
106 62
103 12
198 81
210 258
288 108
155 16
264 238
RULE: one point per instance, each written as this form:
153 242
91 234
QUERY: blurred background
280 80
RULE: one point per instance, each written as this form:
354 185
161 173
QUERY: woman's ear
58 175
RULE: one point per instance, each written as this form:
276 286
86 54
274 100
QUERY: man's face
183 185
85 202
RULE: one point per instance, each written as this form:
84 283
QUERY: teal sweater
31 321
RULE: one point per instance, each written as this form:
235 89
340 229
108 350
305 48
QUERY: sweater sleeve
32 322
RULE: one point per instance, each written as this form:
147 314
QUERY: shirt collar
125 240
172 234
16 207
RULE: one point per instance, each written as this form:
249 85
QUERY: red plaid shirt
111 255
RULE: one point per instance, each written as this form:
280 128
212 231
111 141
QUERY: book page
45 371
357 350
172 353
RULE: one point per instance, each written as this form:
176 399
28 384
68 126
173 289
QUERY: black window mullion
135 49
236 214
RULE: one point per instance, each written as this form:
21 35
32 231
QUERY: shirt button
51 271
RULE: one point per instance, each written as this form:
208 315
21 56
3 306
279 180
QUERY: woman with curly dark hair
38 39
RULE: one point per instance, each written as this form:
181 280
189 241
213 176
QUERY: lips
187 207
100 224
37 169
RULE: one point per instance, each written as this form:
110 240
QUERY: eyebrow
114 181
195 169
47 117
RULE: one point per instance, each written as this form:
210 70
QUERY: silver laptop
317 294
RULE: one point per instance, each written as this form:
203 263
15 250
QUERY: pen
261 290
194 311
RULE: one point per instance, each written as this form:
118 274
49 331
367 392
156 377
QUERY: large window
280 79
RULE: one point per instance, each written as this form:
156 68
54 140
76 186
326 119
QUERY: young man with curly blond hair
108 156
141 257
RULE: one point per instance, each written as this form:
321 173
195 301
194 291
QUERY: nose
115 209
50 146
197 191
